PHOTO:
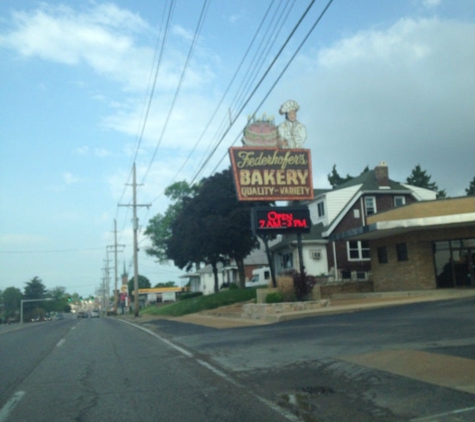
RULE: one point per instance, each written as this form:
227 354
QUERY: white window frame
402 199
357 247
321 209
372 206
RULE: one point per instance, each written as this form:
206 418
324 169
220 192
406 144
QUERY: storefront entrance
454 262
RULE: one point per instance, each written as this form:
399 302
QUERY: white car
95 313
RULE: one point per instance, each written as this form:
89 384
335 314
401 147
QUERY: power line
180 83
264 76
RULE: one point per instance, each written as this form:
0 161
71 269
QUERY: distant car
82 314
59 316
95 313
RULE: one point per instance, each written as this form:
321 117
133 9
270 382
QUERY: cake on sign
263 132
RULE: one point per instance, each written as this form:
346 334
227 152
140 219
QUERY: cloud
105 38
430 4
404 95
69 179
82 150
102 37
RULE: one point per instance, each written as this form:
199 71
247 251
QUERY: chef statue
292 133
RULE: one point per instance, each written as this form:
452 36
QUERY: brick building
339 210
424 245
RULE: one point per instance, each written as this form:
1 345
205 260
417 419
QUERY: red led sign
279 220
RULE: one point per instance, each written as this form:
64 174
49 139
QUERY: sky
88 88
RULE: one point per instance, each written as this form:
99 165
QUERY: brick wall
417 273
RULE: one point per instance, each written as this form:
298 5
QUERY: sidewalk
231 316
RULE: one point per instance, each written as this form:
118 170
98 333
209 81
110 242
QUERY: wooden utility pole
135 224
115 246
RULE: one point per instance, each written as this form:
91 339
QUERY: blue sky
379 80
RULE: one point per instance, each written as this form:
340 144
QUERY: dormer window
399 201
321 209
370 205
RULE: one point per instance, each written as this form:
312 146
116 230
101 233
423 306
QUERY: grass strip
202 303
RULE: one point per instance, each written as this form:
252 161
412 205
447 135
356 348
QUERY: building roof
314 236
427 215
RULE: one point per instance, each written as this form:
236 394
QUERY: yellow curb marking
443 370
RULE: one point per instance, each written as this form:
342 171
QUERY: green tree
143 282
159 227
35 289
59 301
421 179
167 284
12 297
336 180
471 187
212 227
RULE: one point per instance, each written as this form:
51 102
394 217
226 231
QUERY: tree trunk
215 273
241 273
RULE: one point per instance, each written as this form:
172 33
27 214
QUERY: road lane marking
60 342
169 343
442 370
440 415
216 371
10 405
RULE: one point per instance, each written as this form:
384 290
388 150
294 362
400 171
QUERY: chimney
382 175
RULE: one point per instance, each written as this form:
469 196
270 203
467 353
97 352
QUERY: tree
212 227
143 282
59 301
35 289
167 284
12 297
336 180
421 179
159 227
471 187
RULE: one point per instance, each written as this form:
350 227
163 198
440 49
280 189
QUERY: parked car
82 314
59 316
95 313
260 278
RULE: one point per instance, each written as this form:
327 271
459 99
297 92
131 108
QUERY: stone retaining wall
262 310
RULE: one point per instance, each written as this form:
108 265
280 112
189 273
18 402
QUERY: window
382 255
399 201
287 260
370 205
321 209
401 250
358 250
356 213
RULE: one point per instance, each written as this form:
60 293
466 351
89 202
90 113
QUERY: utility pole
107 282
115 246
135 223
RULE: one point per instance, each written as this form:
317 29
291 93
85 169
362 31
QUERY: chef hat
289 105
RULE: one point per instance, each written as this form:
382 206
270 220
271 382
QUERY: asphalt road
106 370
406 363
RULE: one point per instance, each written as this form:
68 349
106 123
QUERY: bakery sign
272 174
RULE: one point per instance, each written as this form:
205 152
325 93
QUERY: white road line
10 405
178 348
218 372
60 342
453 412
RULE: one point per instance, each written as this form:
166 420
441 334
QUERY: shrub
275 297
233 286
189 295
285 285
